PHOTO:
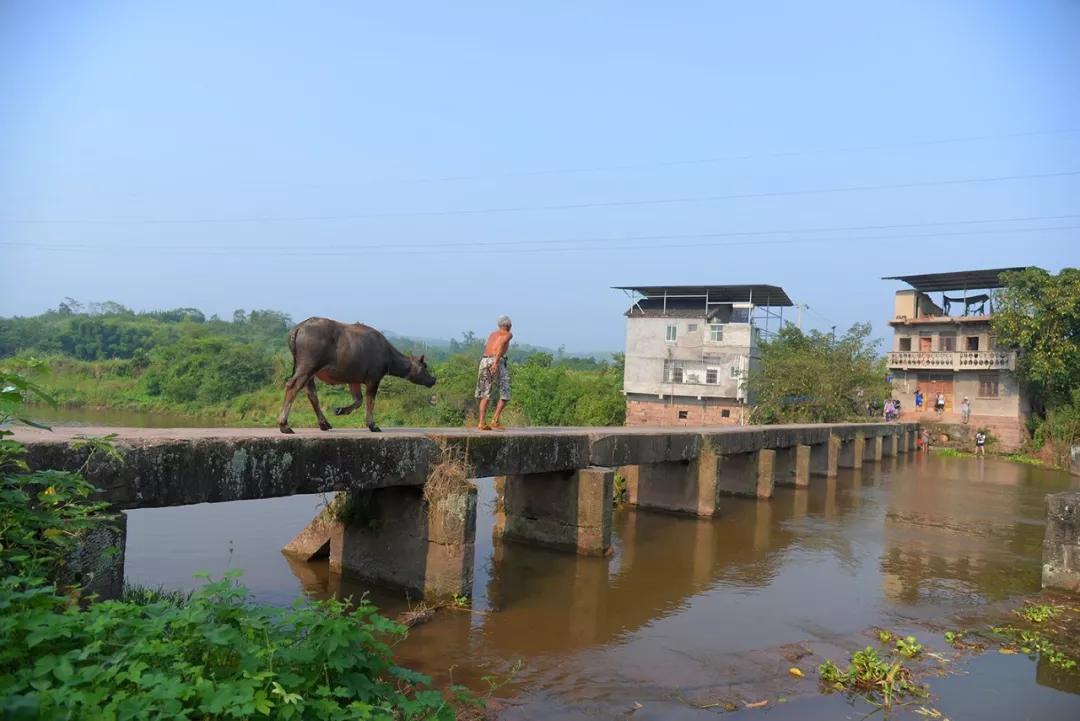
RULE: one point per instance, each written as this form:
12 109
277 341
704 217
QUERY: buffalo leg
313 396
372 390
358 400
292 387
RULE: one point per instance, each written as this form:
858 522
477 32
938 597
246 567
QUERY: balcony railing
954 360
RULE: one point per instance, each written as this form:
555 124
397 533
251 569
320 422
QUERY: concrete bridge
554 485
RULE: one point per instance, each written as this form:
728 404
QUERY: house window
973 342
712 376
691 327
682 415
947 342
988 385
735 372
676 375
672 332
725 413
905 344
716 333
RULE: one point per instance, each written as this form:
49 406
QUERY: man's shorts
489 375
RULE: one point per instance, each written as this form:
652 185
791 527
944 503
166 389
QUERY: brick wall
666 412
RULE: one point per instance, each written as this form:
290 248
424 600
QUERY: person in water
493 374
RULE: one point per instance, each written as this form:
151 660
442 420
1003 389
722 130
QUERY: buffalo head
419 373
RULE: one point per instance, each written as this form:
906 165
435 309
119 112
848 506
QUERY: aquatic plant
908 647
880 681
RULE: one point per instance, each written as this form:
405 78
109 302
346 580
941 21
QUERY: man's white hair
504 321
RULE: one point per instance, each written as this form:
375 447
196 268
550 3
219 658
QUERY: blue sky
410 166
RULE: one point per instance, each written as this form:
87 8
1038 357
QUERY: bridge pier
901 442
852 453
873 449
748 474
889 446
688 486
824 458
562 509
393 536
793 466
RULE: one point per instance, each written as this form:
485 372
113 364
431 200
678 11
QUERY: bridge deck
177 466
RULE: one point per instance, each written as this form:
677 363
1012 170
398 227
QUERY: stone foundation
97 563
873 449
678 486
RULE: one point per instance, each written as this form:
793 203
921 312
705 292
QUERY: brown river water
694 619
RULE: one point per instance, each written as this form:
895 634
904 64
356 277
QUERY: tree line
181 361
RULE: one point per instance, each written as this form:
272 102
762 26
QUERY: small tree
817 378
1039 314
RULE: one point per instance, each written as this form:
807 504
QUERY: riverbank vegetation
233 371
816 377
209 655
1039 314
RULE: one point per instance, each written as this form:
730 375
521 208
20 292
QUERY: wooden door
925 343
933 383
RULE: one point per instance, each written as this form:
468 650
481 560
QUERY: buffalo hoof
374 428
285 429
324 426
343 411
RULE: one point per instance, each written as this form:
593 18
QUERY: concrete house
689 347
948 347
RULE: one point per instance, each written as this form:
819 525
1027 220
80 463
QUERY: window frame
716 332
671 333
715 376
984 380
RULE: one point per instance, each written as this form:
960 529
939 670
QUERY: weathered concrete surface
1061 543
852 452
561 509
825 457
167 467
748 474
793 466
689 486
397 538
873 449
97 563
889 445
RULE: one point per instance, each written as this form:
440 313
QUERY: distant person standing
939 404
494 374
918 401
980 443
925 440
965 410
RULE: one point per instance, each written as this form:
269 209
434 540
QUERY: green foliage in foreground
234 371
214 655
816 378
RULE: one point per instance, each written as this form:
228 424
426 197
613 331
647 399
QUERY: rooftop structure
965 281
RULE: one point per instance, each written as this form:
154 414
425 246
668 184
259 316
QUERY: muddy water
62 416
690 615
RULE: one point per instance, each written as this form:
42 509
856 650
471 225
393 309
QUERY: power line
537 208
366 252
263 247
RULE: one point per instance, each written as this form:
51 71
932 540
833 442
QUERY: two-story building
948 347
688 349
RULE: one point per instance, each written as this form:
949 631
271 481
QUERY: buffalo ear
421 359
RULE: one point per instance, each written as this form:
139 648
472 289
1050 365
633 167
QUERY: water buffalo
342 353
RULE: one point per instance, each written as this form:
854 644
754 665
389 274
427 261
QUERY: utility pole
798 321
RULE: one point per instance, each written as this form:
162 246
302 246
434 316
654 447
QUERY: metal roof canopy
758 294
960 280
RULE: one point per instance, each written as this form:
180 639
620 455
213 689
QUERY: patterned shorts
489 375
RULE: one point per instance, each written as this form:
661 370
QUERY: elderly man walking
493 374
